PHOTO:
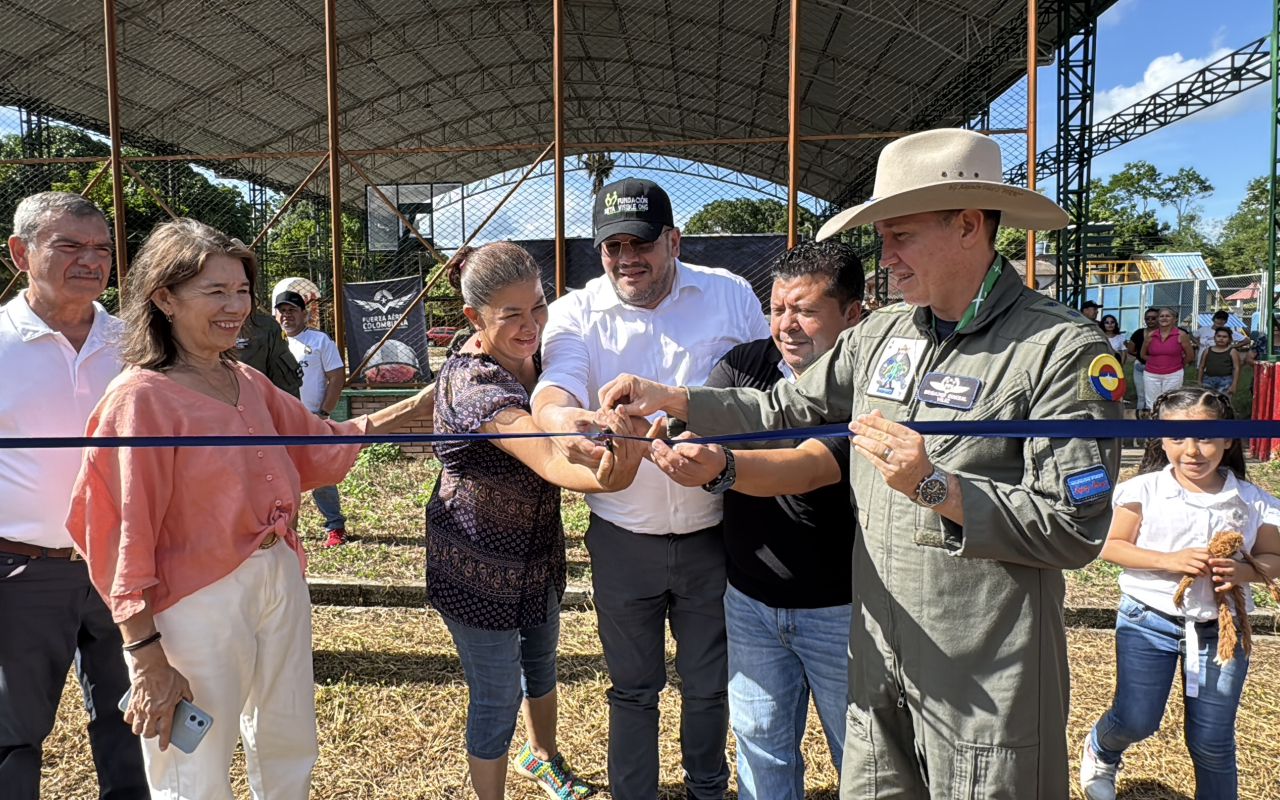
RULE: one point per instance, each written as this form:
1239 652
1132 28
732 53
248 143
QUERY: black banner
371 309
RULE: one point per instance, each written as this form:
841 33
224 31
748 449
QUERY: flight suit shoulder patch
1100 377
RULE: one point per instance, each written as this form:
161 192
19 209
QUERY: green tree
599 167
744 215
186 190
1242 247
1182 191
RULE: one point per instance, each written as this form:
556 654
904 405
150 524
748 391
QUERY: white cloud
1113 16
1161 73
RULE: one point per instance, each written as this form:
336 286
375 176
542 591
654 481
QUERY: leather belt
34 551
269 542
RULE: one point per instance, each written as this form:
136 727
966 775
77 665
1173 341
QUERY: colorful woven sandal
555 777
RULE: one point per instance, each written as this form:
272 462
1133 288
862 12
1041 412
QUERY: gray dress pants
50 616
641 580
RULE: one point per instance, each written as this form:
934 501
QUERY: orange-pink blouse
173 520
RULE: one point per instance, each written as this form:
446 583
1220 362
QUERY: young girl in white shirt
1186 490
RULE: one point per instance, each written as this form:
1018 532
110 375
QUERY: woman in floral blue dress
495 544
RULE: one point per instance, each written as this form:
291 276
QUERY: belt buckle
75 555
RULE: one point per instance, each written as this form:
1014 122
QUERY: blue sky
1145 45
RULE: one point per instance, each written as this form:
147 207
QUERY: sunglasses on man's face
613 249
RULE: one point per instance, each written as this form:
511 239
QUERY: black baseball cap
1089 304
638 207
292 298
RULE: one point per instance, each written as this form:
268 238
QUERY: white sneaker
1097 780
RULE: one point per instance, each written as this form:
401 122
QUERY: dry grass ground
384 502
391 703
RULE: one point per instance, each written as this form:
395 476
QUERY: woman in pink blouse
1167 351
191 546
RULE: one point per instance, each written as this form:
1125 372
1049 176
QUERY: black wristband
129 647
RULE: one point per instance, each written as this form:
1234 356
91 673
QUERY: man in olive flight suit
958 679
263 346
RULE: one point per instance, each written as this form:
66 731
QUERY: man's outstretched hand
641 398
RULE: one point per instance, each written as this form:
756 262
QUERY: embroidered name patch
952 391
891 378
1083 487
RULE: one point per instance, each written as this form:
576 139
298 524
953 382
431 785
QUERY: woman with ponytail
495 544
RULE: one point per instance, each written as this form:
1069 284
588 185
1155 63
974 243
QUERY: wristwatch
932 491
323 414
724 481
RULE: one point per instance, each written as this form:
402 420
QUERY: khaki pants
244 644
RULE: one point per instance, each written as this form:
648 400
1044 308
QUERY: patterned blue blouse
495 542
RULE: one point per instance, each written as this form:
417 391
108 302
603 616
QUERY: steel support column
557 96
1077 48
1269 287
793 127
335 172
1031 132
113 126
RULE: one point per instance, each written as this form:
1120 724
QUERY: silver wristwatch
932 491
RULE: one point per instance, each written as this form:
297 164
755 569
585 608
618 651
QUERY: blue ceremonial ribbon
1010 429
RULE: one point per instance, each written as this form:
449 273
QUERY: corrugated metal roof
1184 266
1205 320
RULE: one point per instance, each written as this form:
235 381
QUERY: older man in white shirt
58 354
656 548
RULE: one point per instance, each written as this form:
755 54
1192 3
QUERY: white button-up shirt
592 337
48 390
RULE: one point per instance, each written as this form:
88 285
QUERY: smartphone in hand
190 724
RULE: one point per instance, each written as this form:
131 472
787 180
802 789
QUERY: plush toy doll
1226 544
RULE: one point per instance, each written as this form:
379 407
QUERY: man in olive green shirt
263 346
958 679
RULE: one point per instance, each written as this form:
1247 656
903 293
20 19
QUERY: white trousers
244 644
1154 385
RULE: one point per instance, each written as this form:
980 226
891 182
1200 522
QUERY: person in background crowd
1205 333
58 352
323 374
1219 367
1150 319
787 608
949 699
1186 490
1111 330
1167 350
191 546
1090 309
495 542
657 549
264 346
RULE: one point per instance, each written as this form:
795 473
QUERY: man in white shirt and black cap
58 353
656 548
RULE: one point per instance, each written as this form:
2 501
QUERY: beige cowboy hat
944 170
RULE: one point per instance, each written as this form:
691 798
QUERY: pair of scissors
604 437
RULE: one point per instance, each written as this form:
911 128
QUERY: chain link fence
445 114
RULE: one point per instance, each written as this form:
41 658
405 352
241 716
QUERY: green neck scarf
993 273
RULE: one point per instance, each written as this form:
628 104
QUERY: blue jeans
1148 647
503 668
330 505
777 656
1218 384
